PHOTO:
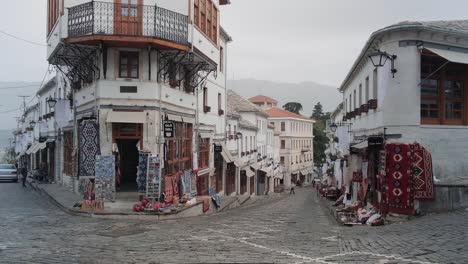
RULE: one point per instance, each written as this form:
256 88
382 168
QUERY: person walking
292 189
24 173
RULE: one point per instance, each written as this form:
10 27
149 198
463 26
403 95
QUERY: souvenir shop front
377 178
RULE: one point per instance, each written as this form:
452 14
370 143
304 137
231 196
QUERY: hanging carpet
399 196
105 177
88 147
421 170
142 171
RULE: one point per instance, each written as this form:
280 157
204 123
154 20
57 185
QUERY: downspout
160 142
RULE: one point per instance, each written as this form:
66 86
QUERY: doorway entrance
128 138
128 159
128 17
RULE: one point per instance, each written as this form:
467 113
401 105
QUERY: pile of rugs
356 214
157 207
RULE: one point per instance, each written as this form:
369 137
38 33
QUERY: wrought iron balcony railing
104 18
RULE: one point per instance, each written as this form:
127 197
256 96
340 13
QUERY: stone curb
163 217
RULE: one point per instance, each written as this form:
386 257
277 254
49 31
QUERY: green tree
320 141
320 137
293 107
317 113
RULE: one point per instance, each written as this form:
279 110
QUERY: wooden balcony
126 25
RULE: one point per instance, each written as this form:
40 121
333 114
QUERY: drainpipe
160 141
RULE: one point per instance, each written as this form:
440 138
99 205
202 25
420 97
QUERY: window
219 103
251 143
283 144
367 90
354 94
221 59
205 100
204 153
442 91
346 105
179 149
283 126
128 64
374 83
282 160
235 129
54 11
229 130
360 95
197 12
246 148
206 18
350 103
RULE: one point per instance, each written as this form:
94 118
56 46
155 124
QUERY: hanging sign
218 148
168 129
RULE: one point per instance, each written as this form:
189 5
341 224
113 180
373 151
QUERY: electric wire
17 87
22 39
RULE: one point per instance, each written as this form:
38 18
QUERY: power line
9 111
22 39
17 87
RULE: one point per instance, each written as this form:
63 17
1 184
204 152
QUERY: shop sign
168 129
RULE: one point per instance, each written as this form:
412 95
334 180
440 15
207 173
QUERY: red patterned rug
399 196
421 170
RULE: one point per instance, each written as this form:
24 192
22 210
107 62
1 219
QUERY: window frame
129 55
430 62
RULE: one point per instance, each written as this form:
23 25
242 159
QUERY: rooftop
237 103
454 27
262 99
278 112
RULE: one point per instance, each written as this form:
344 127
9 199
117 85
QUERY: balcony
92 22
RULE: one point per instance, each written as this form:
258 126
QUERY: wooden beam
128 41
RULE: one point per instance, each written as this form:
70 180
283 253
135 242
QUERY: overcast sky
289 41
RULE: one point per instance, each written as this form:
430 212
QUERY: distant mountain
306 93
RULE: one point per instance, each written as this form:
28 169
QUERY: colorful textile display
105 177
171 188
142 171
187 180
88 147
421 170
399 196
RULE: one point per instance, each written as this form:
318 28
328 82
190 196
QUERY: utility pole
24 101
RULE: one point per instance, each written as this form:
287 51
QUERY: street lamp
379 58
51 102
32 124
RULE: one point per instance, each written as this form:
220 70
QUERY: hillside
306 93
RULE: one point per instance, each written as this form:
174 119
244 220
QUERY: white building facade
423 101
136 67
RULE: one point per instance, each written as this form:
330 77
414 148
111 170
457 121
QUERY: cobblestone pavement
291 230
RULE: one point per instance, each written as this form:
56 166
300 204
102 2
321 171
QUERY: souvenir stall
384 178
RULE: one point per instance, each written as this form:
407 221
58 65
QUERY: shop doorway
128 137
128 153
243 182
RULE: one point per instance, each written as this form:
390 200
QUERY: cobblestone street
291 230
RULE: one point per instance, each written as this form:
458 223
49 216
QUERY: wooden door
218 172
128 17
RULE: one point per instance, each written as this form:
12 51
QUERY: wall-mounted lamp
379 58
51 102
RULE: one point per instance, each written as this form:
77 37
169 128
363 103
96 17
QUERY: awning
362 145
453 56
249 173
126 117
206 135
225 153
279 176
36 147
239 162
254 166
